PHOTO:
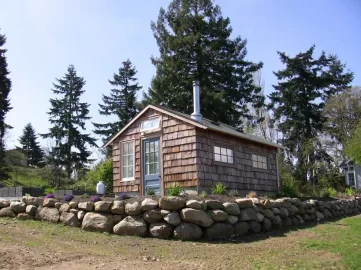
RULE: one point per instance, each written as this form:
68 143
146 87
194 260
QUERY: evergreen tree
121 102
304 86
30 146
5 88
195 42
68 116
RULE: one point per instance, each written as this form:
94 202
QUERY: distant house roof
346 162
203 123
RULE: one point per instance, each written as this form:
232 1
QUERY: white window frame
229 153
151 128
122 161
259 159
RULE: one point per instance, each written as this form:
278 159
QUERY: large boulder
217 215
86 206
131 225
244 202
6 212
254 226
219 230
36 201
268 213
69 219
47 213
65 207
18 207
214 204
173 218
232 219
232 208
277 221
152 216
240 228
118 207
73 205
24 216
149 204
161 230
287 222
187 231
248 214
283 212
195 204
102 206
49 202
31 210
172 203
198 217
81 214
57 205
97 222
133 209
320 216
260 217
117 219
4 203
266 224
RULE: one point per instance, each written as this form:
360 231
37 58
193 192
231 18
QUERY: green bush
219 189
203 194
174 191
103 171
328 192
150 192
349 191
290 188
233 193
49 190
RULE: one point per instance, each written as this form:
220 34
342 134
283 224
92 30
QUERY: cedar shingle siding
187 158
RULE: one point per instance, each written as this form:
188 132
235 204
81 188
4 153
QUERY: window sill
259 169
127 180
225 164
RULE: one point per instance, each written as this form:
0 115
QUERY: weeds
219 189
233 193
203 195
150 192
174 191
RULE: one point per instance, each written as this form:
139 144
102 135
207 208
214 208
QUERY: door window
151 157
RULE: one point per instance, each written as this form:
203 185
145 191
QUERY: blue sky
44 37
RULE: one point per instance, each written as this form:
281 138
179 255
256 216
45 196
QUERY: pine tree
5 88
303 87
121 102
68 116
30 146
195 42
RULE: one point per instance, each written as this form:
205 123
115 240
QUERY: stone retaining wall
174 217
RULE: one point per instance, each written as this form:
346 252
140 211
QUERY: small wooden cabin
352 173
161 148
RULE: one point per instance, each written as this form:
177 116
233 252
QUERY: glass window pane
125 172
131 148
130 171
156 167
125 161
223 158
151 158
230 152
125 149
151 146
151 168
156 145
147 147
230 160
146 158
254 164
156 157
217 150
223 151
264 165
351 169
147 169
130 160
217 157
254 157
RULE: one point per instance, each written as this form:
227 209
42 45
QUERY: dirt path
38 245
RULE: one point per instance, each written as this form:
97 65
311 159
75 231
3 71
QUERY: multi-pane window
222 154
351 179
151 157
128 160
150 124
259 161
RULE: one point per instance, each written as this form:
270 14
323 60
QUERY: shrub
174 191
328 192
48 196
219 189
350 191
233 193
252 194
68 197
95 199
150 192
49 190
203 194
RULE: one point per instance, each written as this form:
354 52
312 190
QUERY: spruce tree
5 88
304 85
30 146
195 43
121 102
68 116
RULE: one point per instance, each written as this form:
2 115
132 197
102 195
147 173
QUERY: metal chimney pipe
196 115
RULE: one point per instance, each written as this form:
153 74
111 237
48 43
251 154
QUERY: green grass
342 238
27 177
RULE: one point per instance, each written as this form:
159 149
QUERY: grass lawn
27 177
30 244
